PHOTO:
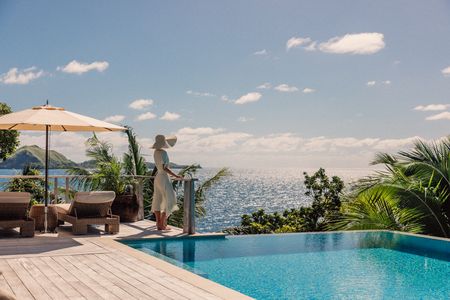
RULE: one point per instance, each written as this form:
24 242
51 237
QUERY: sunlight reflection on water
247 190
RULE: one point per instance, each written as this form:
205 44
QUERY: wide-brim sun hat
162 141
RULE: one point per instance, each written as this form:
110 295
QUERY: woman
164 198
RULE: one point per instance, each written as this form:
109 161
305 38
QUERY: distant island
35 156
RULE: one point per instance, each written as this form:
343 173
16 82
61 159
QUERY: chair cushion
14 205
62 208
15 197
91 204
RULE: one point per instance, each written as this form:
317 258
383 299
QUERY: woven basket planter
37 213
127 207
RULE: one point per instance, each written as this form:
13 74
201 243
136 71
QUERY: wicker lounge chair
14 212
89 208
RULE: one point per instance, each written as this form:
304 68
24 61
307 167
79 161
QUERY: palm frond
134 162
377 208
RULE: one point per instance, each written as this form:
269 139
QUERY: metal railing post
55 190
67 189
139 191
189 207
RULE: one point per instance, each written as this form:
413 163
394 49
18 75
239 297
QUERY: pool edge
189 277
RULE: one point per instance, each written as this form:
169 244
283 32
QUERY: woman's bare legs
163 220
159 223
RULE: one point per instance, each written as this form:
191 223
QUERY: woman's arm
172 173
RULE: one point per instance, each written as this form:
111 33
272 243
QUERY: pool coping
189 277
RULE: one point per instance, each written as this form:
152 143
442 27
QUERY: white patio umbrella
49 118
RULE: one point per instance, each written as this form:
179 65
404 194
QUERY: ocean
247 190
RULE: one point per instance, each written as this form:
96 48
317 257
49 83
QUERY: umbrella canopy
49 118
39 118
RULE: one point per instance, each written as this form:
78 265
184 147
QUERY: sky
241 83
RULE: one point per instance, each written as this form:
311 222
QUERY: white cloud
441 116
308 90
114 118
295 42
286 88
141 104
168 116
199 131
226 99
373 82
200 94
219 147
358 43
446 71
262 52
264 86
245 119
311 47
15 76
77 67
393 144
432 107
146 116
248 98
284 142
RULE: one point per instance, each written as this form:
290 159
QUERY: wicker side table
37 213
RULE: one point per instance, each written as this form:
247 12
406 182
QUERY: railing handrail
84 176
188 183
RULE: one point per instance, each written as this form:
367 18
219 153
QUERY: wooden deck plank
117 291
4 284
130 291
159 291
50 288
162 278
71 281
130 279
100 285
15 283
94 266
32 285
57 279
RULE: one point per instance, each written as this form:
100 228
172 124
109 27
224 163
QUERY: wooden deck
62 266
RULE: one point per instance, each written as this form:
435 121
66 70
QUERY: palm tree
134 163
419 179
107 172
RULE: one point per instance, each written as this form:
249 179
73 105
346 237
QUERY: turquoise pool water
351 265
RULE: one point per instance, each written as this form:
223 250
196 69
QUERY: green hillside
35 156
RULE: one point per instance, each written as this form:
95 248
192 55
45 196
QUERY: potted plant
108 173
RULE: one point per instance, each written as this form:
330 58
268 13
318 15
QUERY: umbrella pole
46 178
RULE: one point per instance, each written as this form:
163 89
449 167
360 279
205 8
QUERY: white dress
164 198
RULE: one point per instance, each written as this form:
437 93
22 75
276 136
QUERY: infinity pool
350 265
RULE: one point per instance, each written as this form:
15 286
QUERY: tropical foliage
34 186
411 194
9 139
108 172
325 196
